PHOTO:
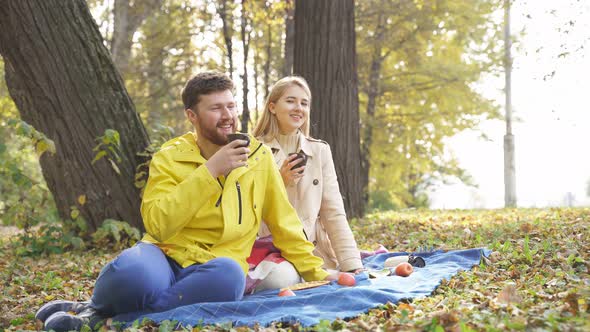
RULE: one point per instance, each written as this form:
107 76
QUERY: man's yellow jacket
194 217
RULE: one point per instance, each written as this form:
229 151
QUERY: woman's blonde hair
267 127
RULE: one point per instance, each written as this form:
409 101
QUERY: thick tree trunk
325 54
289 38
127 19
63 81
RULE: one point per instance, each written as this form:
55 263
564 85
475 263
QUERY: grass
536 278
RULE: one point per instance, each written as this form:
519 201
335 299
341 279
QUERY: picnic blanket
327 302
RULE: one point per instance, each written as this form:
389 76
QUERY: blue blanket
327 302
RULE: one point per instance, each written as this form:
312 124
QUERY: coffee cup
241 136
301 156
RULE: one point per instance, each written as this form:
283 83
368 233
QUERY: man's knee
230 277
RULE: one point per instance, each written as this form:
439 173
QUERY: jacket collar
304 145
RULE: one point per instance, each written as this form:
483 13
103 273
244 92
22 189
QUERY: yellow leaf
115 167
82 199
49 297
75 213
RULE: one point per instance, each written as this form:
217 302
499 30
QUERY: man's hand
229 157
291 176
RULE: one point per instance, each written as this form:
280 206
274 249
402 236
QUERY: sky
552 126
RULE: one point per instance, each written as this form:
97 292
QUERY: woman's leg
283 275
219 280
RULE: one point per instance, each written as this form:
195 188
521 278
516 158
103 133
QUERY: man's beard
212 135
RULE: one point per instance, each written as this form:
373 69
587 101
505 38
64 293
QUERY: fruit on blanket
286 292
404 269
346 279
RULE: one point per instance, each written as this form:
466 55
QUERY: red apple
346 279
404 269
286 292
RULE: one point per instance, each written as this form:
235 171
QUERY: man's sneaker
63 321
59 305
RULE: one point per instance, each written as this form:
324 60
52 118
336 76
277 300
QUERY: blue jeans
143 279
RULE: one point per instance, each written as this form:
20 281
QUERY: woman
312 188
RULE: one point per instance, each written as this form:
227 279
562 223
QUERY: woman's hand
333 276
357 271
291 176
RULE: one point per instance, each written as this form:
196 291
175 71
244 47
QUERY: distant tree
245 34
64 83
224 9
418 65
128 16
325 54
588 188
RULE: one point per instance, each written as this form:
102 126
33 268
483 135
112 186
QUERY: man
202 207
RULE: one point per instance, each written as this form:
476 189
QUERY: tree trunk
64 83
245 46
509 160
268 60
127 20
373 93
222 10
255 74
325 54
289 38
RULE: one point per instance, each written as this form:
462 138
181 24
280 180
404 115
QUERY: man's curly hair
204 84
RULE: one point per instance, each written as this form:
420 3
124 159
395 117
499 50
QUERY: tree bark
127 20
325 54
64 83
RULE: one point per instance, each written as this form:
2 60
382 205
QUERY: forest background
92 88
417 64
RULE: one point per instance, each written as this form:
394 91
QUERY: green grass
536 278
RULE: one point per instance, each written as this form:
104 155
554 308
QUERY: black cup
303 158
242 136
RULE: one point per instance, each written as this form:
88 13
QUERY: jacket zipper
220 195
239 203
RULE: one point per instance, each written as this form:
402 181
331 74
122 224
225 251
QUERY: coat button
315 182
315 243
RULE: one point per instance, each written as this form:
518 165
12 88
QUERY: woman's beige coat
317 200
